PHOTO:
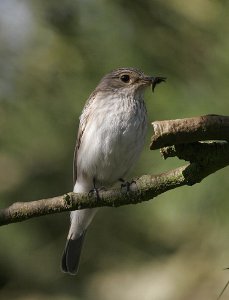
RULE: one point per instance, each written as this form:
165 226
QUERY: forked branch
182 136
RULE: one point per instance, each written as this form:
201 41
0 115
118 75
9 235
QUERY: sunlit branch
203 128
205 159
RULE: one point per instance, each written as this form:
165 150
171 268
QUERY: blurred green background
52 55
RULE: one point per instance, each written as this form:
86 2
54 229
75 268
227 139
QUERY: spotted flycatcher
110 139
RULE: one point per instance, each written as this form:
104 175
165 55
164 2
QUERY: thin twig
223 290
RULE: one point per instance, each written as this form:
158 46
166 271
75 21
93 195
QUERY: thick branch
209 157
203 128
201 152
205 158
147 187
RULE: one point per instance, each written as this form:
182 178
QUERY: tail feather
80 220
71 255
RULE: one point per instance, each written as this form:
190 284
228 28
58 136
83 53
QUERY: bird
110 138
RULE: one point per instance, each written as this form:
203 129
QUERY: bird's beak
154 80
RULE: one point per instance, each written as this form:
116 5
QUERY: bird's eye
125 78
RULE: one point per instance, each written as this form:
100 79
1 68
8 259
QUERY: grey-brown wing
83 122
78 142
75 163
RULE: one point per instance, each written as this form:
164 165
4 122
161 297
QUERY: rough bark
205 158
203 128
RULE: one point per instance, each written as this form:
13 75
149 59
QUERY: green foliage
51 59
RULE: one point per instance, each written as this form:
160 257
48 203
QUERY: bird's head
128 80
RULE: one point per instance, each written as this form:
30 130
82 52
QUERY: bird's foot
126 184
95 191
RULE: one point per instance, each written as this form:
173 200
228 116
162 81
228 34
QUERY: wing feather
83 123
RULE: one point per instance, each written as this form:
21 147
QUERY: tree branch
206 158
202 152
203 128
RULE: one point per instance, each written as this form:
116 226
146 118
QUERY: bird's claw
126 184
95 191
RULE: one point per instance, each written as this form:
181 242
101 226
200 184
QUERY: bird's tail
71 256
80 220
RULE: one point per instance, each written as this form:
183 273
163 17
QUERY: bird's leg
126 184
94 190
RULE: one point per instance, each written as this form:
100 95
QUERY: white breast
112 140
